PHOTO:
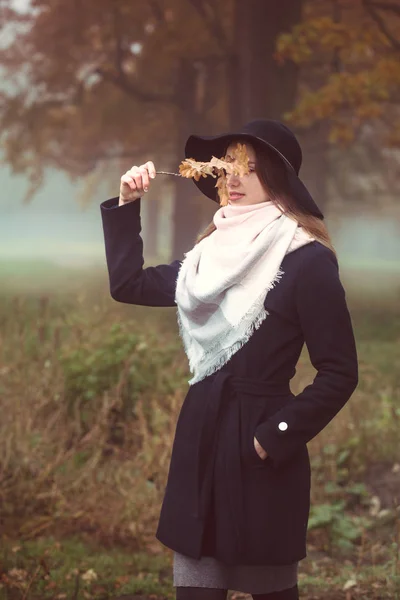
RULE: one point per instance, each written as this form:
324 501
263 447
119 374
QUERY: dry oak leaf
241 166
222 188
221 164
218 168
196 169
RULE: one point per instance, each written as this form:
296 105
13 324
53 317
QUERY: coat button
282 426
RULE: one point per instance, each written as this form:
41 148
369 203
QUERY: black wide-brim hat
259 133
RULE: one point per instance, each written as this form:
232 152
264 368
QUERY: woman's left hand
260 450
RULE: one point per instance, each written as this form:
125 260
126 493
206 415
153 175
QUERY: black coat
221 498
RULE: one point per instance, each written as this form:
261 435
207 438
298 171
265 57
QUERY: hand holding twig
136 181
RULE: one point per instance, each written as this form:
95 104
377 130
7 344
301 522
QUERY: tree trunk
316 159
152 215
260 87
316 166
186 214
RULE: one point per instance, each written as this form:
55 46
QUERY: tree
86 98
70 97
348 52
361 43
95 86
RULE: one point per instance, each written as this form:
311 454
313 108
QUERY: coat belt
224 389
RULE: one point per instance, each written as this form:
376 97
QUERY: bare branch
157 10
337 18
128 87
371 7
119 78
118 42
213 22
390 6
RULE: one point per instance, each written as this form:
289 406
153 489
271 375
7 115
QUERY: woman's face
247 189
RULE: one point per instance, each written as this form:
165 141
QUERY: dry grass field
90 391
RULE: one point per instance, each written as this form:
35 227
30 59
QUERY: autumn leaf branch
216 168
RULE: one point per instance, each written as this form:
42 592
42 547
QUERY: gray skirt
208 572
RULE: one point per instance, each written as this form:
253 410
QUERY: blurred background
90 390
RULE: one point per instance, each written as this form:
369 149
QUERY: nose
232 180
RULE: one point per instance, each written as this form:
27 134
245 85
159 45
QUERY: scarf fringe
256 314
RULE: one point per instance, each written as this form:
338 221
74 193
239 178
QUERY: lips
235 195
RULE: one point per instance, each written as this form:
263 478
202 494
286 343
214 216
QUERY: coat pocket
258 460
253 412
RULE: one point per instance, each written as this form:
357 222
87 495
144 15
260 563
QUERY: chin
240 201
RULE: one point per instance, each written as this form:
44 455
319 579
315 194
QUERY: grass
90 392
72 568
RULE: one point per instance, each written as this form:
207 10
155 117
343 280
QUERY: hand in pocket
259 449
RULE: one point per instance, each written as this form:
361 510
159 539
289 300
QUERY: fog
55 227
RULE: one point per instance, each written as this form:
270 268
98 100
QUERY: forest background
90 390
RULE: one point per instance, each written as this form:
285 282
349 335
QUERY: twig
76 590
371 8
168 173
32 579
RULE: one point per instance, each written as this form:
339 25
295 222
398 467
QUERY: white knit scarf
223 281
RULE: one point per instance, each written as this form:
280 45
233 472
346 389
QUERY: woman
262 280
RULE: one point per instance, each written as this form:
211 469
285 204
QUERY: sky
21 5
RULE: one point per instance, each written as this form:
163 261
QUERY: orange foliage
351 66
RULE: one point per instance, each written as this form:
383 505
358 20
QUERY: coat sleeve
129 281
326 325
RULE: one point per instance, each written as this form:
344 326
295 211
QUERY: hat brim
203 148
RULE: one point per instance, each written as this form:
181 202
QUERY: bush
124 360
